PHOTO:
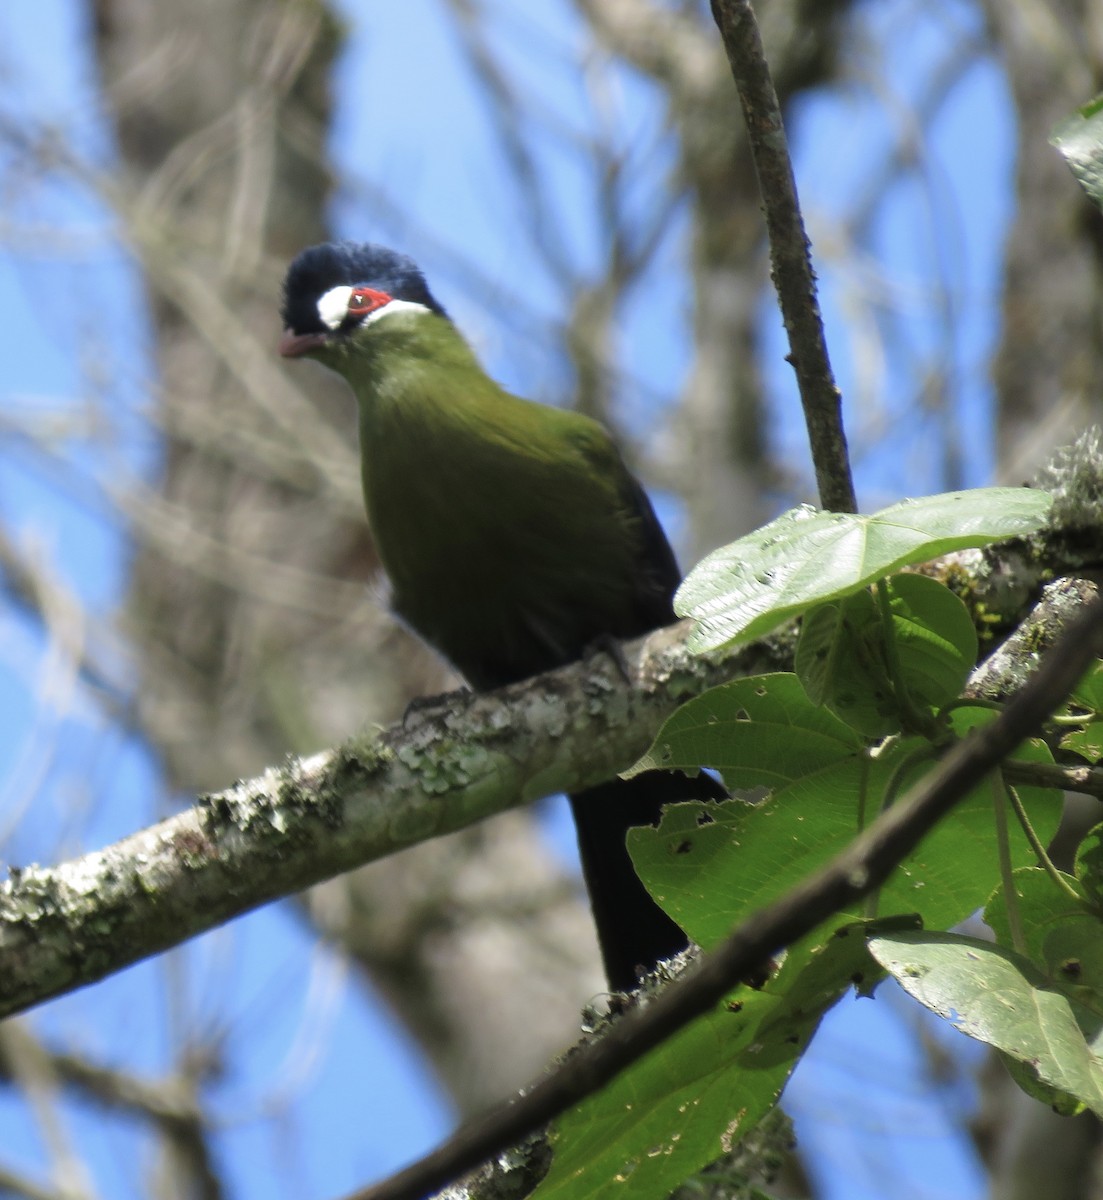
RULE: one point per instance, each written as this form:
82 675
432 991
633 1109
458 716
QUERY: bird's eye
364 300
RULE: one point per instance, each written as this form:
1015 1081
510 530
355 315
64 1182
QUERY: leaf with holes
999 997
711 865
690 1099
760 731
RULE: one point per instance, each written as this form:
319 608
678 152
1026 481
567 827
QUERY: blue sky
873 1125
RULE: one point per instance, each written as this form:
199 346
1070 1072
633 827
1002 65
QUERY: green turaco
514 536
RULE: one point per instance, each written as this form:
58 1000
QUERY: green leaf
758 732
1087 742
1088 693
840 661
825 645
686 1102
1064 941
1089 866
1063 937
1061 1102
935 638
808 557
710 866
1086 702
842 658
999 998
1079 138
681 1107
815 974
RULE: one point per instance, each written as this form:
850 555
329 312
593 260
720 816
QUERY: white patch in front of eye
395 306
333 307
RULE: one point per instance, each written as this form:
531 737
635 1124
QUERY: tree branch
314 818
1087 781
451 766
861 868
790 255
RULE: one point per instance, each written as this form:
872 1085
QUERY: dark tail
633 931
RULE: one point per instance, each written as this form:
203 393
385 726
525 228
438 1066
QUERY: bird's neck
430 419
408 362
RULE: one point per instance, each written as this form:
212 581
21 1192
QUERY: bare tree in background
1048 370
1047 366
251 613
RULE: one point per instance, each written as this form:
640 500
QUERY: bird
514 536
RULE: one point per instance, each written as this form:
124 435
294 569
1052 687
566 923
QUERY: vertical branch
790 259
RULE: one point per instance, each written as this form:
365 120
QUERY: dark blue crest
363 264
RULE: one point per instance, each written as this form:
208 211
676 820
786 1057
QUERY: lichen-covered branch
448 766
312 818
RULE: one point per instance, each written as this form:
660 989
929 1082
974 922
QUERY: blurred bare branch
30 1066
250 631
170 1104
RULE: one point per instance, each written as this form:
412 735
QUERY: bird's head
335 290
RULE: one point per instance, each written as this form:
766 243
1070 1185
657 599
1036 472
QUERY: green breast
503 524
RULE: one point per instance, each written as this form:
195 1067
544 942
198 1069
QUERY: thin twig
1087 781
790 257
1007 871
1060 881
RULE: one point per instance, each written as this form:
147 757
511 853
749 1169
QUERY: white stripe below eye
333 307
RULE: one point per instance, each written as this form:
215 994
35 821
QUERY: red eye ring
366 300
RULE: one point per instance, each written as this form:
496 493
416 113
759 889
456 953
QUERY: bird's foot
606 644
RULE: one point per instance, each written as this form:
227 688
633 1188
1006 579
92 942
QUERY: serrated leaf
1000 998
760 731
808 557
1079 139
